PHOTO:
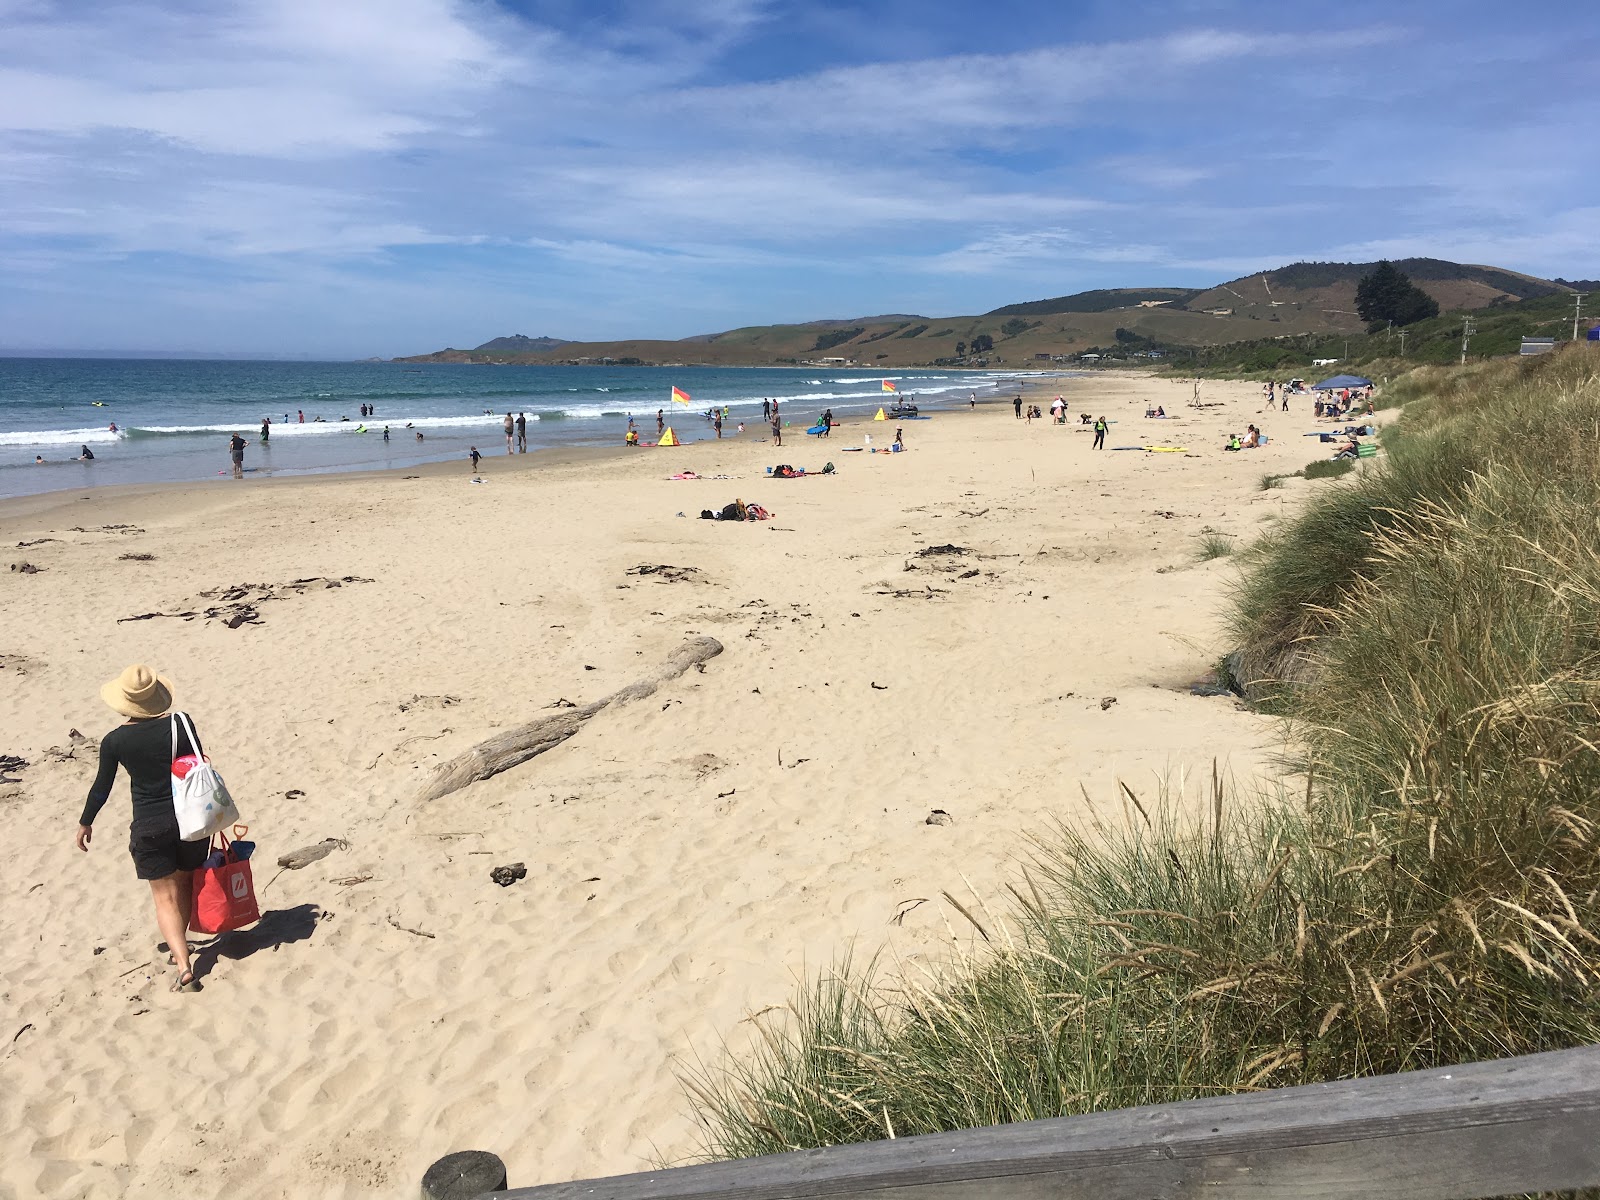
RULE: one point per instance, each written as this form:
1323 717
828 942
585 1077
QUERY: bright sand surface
688 855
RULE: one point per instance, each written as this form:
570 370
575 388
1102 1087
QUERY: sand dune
687 855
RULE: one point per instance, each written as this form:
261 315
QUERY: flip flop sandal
180 984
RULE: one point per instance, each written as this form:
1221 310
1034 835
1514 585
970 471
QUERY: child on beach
475 456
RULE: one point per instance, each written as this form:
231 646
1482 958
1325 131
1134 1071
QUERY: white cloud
281 78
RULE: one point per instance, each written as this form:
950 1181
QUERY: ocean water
173 418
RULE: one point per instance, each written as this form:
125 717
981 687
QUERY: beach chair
1366 451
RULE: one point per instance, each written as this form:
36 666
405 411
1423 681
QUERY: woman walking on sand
143 747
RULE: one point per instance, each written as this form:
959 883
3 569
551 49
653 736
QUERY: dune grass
1214 545
1327 468
1429 893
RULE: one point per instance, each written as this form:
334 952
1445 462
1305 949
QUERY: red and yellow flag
679 396
888 386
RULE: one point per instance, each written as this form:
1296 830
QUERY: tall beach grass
1427 893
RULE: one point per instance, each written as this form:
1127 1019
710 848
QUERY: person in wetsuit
143 747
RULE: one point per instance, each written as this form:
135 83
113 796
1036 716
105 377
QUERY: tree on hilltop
1387 296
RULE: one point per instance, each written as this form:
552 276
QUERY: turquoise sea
173 418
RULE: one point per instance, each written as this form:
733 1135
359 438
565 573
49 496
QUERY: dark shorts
158 851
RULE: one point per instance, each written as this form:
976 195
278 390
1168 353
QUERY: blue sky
356 177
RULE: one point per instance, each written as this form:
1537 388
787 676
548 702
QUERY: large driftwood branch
517 746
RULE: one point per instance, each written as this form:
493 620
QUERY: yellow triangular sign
880 416
668 438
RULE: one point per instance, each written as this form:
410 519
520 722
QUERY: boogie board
817 429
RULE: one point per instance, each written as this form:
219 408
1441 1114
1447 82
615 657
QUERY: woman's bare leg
174 895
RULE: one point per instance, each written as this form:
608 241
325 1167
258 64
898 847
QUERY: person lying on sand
145 747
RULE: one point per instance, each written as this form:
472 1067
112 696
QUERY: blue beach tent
1342 381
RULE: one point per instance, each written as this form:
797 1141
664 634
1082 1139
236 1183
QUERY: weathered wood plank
1458 1133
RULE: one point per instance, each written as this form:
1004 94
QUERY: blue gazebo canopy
1342 381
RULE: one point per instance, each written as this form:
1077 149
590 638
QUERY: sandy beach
688 856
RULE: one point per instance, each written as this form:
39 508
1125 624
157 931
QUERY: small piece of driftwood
306 855
517 746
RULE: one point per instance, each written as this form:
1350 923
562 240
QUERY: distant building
1538 345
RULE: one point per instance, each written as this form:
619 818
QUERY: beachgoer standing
899 438
777 432
1100 428
522 433
1016 407
385 433
266 430
716 423
236 452
661 421
302 413
475 457
511 427
144 748
766 409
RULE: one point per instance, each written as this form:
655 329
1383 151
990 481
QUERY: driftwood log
517 746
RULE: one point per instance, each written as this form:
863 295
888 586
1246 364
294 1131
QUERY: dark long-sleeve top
144 750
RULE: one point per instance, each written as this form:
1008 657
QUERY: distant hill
520 343
1331 288
1300 300
1100 300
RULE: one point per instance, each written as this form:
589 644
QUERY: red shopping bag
224 896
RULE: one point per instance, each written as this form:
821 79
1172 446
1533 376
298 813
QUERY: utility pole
1466 332
1402 343
1577 309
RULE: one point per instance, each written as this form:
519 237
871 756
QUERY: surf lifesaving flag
888 386
679 396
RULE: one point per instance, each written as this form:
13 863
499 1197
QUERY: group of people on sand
1253 439
1338 404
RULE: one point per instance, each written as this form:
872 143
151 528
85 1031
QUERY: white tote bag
199 797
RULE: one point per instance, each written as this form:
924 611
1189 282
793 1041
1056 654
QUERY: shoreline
550 457
686 856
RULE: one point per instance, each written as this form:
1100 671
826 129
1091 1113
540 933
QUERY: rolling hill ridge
1301 298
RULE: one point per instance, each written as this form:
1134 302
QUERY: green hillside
1290 315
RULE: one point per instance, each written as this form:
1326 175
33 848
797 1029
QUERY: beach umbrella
1342 381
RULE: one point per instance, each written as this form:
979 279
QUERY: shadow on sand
277 927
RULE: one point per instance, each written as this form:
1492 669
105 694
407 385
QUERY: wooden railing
1529 1124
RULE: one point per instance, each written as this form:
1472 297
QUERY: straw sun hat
138 692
